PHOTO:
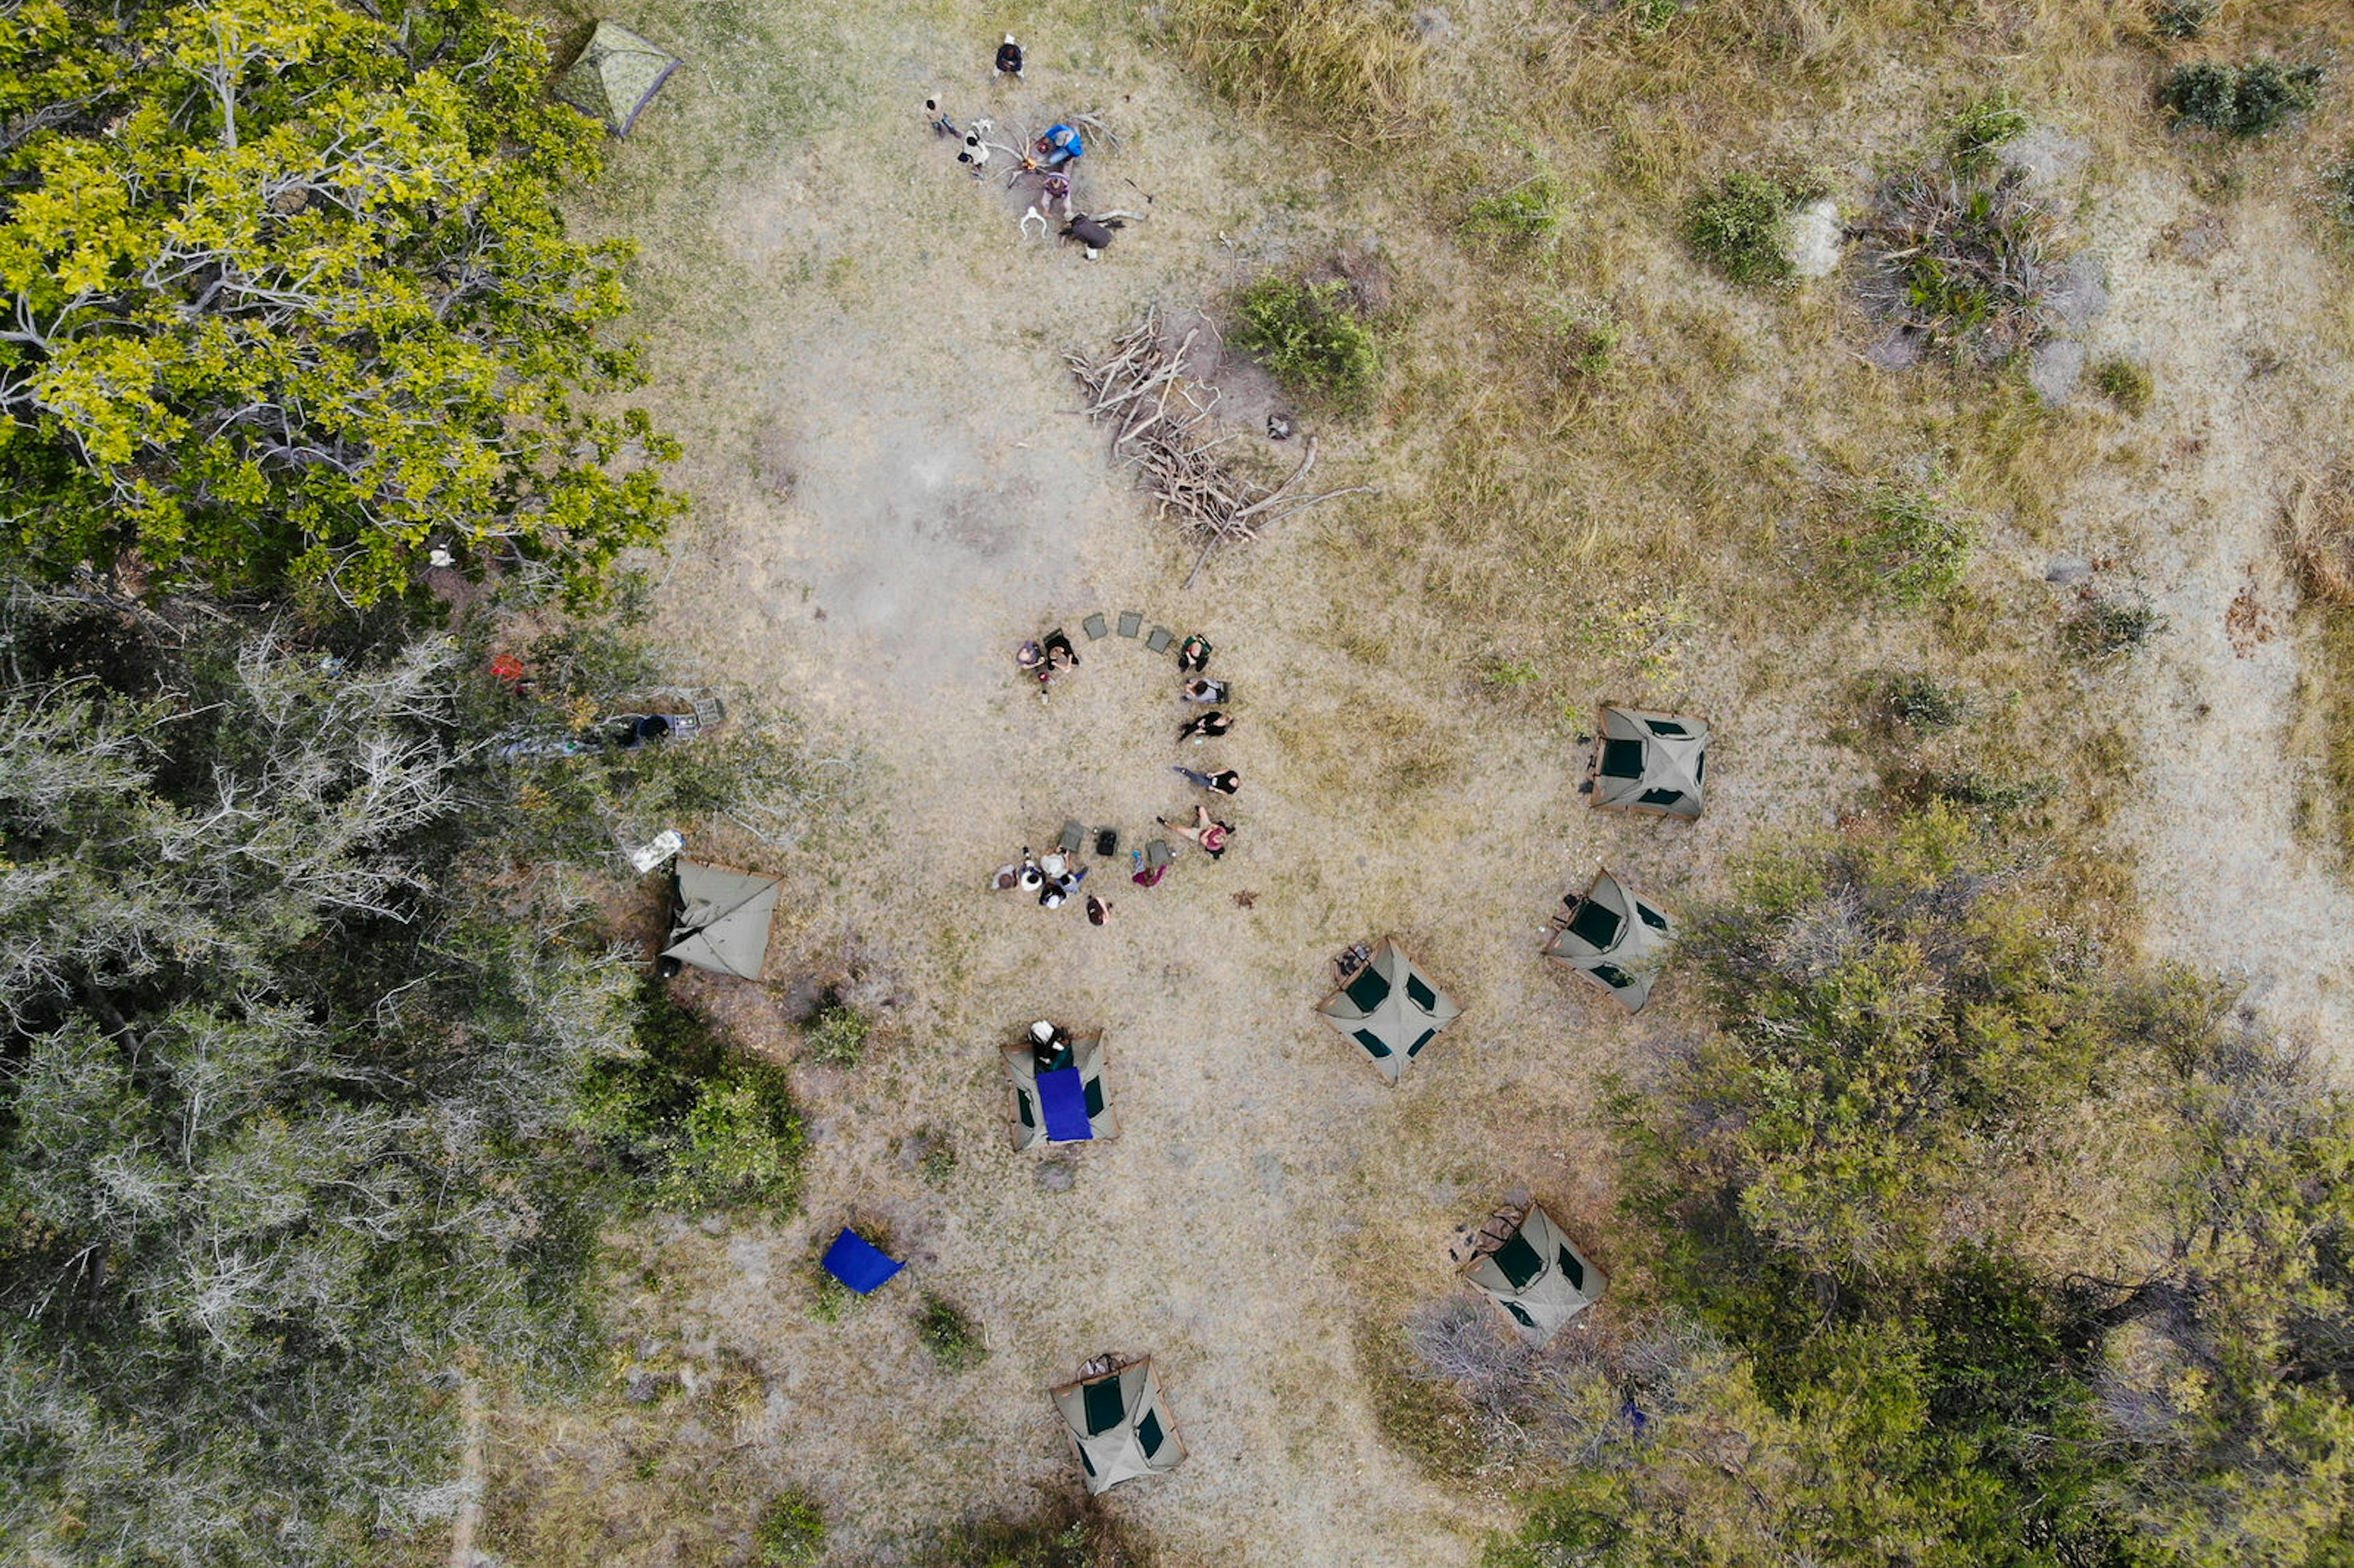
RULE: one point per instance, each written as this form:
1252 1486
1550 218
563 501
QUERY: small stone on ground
1817 237
2056 368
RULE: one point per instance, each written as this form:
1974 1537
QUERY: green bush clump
706 1126
1740 226
2103 628
2126 384
790 1531
1311 337
1984 126
2182 18
837 1035
953 1339
1582 339
1918 703
2240 100
1910 548
1526 213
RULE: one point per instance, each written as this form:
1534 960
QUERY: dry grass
1349 68
2317 525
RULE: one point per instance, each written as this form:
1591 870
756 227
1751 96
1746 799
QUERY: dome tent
1527 1266
1119 1423
1613 938
1059 1094
1390 1011
616 77
722 917
1648 762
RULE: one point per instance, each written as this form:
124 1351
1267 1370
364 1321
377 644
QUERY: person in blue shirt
1061 145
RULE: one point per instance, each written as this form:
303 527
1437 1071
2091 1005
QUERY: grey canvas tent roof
616 77
1615 939
723 919
1649 762
1030 1129
1530 1270
1390 1011
1121 1425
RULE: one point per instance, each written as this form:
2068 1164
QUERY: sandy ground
863 356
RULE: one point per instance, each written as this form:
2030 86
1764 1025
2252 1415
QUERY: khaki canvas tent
616 77
1614 939
723 919
1122 1429
1058 1094
1390 1011
1528 1267
1648 762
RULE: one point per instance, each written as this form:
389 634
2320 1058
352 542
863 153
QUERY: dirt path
2249 357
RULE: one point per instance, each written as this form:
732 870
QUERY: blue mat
858 1265
1064 1098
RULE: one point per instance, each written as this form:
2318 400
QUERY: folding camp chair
1132 622
1107 842
1095 628
1074 837
1160 642
1156 854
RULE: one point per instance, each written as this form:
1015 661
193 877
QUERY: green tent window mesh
1101 1402
1022 1103
1667 727
1613 976
1651 916
1373 1043
1622 759
1573 1269
1147 1432
1661 796
1095 1101
1519 1262
1420 994
1699 767
1515 1308
1369 990
1595 925
1091 1464
1428 1036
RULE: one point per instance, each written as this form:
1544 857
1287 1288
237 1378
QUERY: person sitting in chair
1209 726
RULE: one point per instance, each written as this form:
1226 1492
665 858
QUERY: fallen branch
1143 382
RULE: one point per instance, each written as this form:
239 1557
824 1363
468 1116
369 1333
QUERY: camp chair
1107 842
1074 837
1160 642
1156 854
1132 622
1095 628
858 1263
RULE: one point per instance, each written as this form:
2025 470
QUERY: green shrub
830 1299
1310 336
790 1531
2102 628
2240 100
1524 214
2338 191
837 1035
1968 258
1984 126
1653 16
938 1160
1909 548
953 1339
2126 384
1582 339
703 1125
2182 18
1918 703
1740 225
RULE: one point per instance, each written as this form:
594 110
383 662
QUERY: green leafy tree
284 294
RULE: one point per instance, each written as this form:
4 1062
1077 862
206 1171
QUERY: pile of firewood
1158 412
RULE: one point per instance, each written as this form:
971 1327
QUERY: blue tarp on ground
857 1264
1064 1098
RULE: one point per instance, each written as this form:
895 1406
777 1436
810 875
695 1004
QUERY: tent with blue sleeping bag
1527 1266
1389 1011
1058 1090
858 1263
